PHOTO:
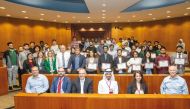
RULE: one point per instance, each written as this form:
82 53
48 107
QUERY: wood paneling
168 32
20 31
153 81
96 101
3 81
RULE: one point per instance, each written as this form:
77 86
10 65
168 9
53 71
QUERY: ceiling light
103 21
55 20
78 21
2 8
42 14
149 14
115 21
66 22
41 19
128 20
118 17
8 15
103 10
23 11
186 14
88 17
26 17
58 16
188 8
140 20
73 17
154 18
91 21
103 14
133 16
103 17
168 16
104 5
168 12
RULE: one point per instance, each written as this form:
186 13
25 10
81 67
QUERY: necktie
179 55
59 85
63 58
105 56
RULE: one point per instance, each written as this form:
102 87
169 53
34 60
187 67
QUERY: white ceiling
113 13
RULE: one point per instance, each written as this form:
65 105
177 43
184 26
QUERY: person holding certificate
120 62
105 60
134 63
138 85
180 59
91 63
162 61
108 85
148 63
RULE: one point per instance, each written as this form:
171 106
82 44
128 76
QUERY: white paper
179 61
153 55
92 66
121 66
136 67
106 66
163 63
149 65
124 53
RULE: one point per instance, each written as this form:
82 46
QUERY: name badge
163 63
136 67
106 66
92 66
149 65
121 66
179 61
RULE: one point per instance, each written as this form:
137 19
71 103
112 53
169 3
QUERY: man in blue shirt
37 83
174 84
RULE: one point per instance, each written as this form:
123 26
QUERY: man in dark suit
105 60
61 84
82 84
76 61
118 61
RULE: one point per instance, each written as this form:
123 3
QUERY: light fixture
168 12
103 17
150 14
134 16
115 21
8 15
103 14
2 8
90 21
58 16
104 5
103 10
88 17
55 20
66 22
186 14
140 20
23 11
26 17
41 19
188 8
128 20
91 29
100 29
82 29
168 16
42 14
118 17
78 21
103 21
154 18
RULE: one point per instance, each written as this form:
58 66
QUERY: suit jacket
103 60
116 61
82 62
88 86
41 66
27 67
59 59
66 86
131 88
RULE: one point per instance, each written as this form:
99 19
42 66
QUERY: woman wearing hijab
108 85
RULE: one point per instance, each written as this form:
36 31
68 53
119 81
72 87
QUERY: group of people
38 83
124 56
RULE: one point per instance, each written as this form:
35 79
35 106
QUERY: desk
153 81
96 101
3 81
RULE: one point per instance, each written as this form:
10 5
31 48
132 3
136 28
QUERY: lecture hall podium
153 81
97 101
3 81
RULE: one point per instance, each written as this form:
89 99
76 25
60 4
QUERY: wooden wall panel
20 30
168 32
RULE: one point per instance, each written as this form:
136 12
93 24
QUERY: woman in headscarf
108 85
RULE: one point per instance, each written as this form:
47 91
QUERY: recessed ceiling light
26 17
154 18
41 19
103 17
58 16
168 16
91 21
103 21
188 8
118 17
42 14
103 14
8 15
103 10
168 12
140 20
2 8
104 5
23 11
149 14
186 14
128 20
66 22
115 21
78 21
88 17
55 20
73 17
134 16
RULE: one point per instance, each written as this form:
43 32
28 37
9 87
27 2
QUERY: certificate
106 66
92 66
149 65
179 61
124 53
136 67
153 55
163 63
121 66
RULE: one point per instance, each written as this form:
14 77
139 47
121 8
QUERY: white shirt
133 61
82 86
105 86
59 59
55 48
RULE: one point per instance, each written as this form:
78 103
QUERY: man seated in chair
61 84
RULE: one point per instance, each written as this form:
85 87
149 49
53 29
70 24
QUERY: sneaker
10 88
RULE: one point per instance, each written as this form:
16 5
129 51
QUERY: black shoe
10 88
16 86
